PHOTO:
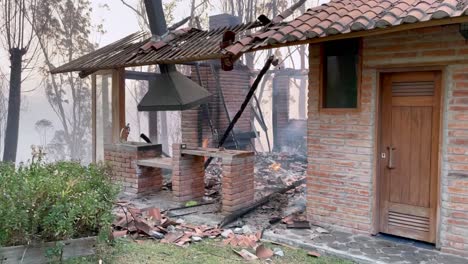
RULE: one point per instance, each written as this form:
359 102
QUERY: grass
206 252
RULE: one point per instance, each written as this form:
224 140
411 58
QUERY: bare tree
43 127
63 30
140 11
17 38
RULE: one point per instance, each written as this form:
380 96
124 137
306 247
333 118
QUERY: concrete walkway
362 249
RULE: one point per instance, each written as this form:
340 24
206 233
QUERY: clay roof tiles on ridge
346 16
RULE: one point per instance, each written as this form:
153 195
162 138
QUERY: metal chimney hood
172 91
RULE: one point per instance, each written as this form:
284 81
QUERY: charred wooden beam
241 212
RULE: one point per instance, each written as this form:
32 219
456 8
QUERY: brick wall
454 211
134 180
339 178
341 148
189 127
237 182
235 85
434 44
188 175
238 187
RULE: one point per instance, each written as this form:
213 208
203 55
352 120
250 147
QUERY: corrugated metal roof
138 49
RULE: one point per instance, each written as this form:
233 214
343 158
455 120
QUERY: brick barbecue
135 180
137 168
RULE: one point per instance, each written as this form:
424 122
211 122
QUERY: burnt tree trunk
14 103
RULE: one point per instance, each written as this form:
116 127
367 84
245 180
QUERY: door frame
377 138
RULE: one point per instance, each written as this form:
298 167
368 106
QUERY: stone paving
361 248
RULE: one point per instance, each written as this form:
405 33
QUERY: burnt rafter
175 46
140 49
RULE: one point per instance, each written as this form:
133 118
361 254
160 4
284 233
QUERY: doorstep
360 248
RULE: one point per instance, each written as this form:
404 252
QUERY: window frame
322 82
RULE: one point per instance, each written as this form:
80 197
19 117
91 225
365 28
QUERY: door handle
390 164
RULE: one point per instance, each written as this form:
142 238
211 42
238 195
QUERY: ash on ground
273 171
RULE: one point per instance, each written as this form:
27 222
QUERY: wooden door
409 147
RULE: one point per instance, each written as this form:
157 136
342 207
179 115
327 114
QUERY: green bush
49 202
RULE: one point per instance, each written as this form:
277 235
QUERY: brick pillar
190 127
280 110
135 180
188 174
238 182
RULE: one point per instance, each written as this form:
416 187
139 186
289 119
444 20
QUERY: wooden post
118 103
93 116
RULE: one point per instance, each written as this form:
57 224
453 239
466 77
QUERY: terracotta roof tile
344 16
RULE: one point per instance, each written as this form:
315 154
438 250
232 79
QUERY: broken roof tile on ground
347 16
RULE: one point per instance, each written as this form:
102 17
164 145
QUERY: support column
118 103
280 110
188 175
238 182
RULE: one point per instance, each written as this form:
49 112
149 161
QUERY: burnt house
387 123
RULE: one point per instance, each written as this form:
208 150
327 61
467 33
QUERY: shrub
49 202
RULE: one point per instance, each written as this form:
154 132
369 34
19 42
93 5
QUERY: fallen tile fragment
155 213
313 254
288 220
143 226
184 239
263 252
134 211
322 230
246 255
172 237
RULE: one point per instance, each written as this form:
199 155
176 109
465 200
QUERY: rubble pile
152 223
273 171
276 170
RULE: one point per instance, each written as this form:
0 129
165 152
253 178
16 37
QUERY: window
341 69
